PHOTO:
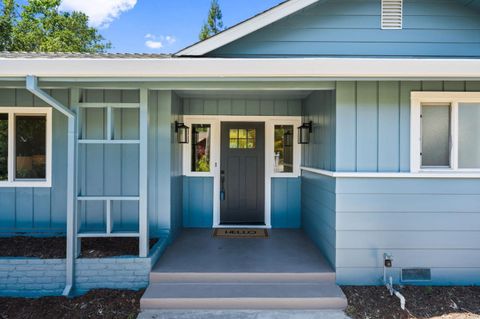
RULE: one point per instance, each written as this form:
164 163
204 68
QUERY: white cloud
100 12
157 42
153 44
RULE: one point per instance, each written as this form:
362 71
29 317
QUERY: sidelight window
201 147
283 148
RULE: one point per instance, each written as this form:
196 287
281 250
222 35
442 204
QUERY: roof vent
392 14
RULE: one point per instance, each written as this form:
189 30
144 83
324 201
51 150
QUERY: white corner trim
421 174
12 181
251 25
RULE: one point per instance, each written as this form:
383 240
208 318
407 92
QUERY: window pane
200 148
3 147
283 148
436 135
469 136
30 147
233 133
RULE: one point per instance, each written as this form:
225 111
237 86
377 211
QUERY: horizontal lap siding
38 209
433 223
319 108
242 107
373 122
434 28
318 212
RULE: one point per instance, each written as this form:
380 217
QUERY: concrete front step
163 277
321 295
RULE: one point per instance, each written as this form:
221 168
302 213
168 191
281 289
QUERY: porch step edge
299 295
159 277
326 303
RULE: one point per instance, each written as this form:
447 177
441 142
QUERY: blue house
351 123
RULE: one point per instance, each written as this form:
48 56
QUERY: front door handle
222 185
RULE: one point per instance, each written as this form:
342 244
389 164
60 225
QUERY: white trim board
246 27
18 110
423 174
215 156
251 69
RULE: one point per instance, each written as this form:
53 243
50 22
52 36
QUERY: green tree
7 18
214 23
41 27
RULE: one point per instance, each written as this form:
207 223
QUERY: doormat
240 233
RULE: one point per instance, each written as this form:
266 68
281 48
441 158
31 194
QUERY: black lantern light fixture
288 138
304 132
182 132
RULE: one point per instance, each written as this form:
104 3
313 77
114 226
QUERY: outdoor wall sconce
288 139
304 132
182 132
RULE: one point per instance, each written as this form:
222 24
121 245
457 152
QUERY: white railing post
143 172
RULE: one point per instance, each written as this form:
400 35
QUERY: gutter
32 86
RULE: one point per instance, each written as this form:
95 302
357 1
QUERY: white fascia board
236 32
224 69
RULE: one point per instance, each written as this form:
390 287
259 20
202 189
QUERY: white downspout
32 86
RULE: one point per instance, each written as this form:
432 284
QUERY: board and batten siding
373 122
431 28
319 107
423 223
38 210
197 202
164 164
242 107
109 170
286 202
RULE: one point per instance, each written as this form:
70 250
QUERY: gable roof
240 30
262 20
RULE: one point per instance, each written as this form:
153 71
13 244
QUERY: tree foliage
7 17
214 22
40 26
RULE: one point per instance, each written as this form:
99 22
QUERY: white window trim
12 181
452 98
215 156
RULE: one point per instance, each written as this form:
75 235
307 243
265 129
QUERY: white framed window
445 127
25 147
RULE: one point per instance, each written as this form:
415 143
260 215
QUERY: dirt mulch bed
100 303
54 247
422 302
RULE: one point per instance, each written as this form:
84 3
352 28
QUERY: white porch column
143 172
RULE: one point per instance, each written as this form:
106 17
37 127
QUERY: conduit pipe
388 263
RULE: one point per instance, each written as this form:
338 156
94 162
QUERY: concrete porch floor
284 271
284 251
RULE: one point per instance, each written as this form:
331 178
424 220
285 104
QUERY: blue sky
165 25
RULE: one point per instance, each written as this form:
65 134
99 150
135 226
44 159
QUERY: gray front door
242 173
